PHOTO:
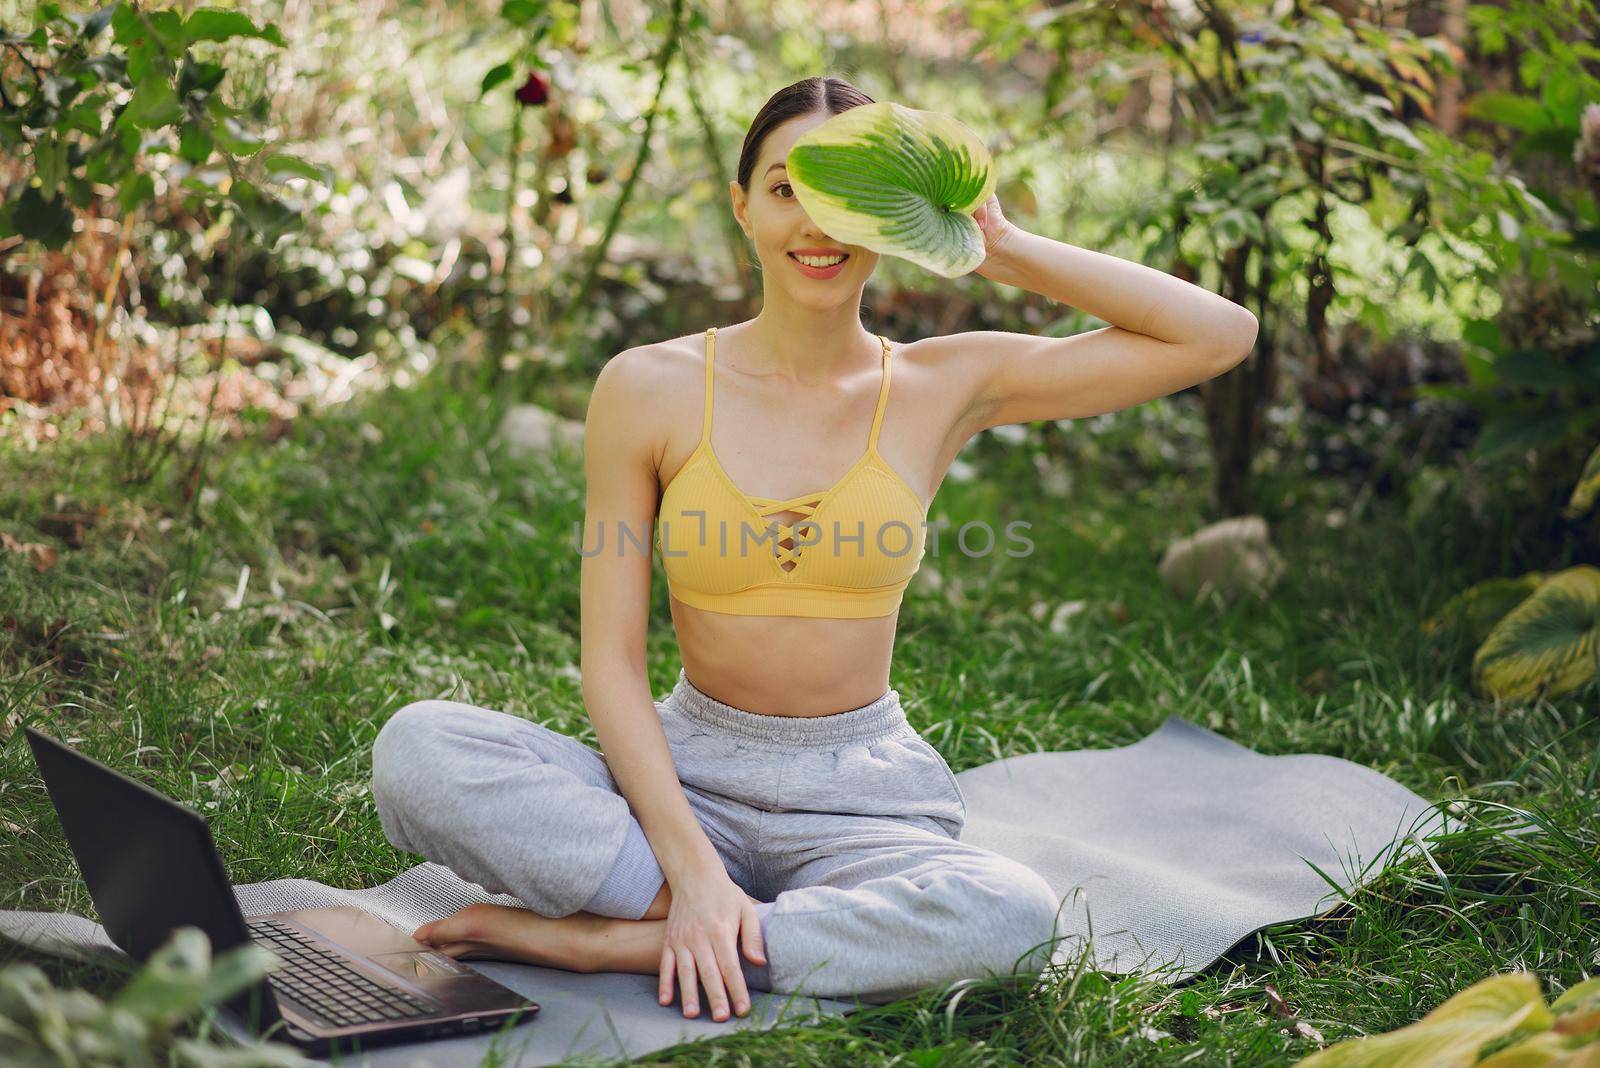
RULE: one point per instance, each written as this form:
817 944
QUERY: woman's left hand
996 230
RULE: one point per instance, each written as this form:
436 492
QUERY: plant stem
669 48
96 346
198 470
500 338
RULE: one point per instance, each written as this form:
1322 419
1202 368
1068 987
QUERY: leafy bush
90 118
41 1025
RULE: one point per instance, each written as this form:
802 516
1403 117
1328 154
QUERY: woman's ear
736 192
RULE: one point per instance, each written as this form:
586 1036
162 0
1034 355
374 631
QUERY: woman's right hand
705 920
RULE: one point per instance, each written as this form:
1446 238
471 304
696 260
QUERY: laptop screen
150 863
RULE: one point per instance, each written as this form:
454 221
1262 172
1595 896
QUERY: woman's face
773 219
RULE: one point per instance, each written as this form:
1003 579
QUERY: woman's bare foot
581 942
504 933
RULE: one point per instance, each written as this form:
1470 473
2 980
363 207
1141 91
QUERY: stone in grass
529 428
1230 557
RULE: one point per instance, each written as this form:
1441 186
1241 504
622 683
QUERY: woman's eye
782 185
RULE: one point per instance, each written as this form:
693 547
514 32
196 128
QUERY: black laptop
348 980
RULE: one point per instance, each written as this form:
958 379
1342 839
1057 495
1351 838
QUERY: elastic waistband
879 719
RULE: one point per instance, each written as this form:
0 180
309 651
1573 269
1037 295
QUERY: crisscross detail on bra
787 531
806 503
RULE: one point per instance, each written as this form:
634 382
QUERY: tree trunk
1454 31
1236 406
1236 403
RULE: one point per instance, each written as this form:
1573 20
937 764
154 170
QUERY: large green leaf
1472 613
1510 109
898 181
48 222
267 217
215 24
1549 640
1520 430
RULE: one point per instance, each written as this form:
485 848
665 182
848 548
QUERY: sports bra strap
711 362
883 397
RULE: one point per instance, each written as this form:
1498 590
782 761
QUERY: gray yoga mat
1169 851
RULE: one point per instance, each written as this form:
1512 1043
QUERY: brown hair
802 98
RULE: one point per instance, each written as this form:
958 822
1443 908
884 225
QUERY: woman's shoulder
653 370
932 352
655 388
654 362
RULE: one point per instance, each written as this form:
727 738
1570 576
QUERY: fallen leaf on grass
42 557
1281 1009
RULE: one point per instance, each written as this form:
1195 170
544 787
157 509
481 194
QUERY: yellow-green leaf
1588 487
1542 1050
1578 1010
1574 995
897 181
1451 1035
1473 612
1548 642
1587 1057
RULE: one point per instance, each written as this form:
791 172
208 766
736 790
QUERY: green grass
395 553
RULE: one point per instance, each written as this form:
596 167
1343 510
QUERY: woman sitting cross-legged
776 823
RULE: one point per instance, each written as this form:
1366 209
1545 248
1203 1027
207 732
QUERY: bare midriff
784 665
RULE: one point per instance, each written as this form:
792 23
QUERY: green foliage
1302 114
67 115
1548 394
44 1027
1537 635
1529 397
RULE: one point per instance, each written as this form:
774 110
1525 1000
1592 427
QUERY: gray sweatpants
844 827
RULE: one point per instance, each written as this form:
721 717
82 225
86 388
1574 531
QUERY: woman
778 799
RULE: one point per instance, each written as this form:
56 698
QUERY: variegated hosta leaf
898 181
1584 1057
1451 1035
1578 1010
1543 1050
1474 611
1588 487
1551 639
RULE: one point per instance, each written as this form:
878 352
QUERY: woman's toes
459 926
457 950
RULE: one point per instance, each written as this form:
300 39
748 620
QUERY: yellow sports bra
849 556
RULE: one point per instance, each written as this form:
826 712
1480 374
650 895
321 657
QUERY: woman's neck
805 346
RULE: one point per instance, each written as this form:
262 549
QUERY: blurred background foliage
501 195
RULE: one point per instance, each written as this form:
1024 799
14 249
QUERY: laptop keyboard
318 979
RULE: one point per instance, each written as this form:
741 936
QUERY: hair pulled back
804 97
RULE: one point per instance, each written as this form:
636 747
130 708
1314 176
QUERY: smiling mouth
841 262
